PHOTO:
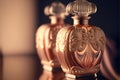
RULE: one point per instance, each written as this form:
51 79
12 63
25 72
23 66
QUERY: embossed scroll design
80 49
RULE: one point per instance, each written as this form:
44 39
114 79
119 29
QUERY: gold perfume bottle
80 47
46 35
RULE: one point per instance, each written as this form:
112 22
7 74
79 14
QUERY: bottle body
45 44
80 49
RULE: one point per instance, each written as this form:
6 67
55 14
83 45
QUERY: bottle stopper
81 8
55 9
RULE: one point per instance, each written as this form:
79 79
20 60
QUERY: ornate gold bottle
80 47
46 35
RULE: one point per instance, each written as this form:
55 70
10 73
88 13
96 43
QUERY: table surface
28 67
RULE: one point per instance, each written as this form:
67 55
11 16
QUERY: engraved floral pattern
96 38
80 37
60 40
77 39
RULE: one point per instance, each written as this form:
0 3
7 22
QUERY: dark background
106 17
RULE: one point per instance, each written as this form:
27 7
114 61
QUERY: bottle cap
81 8
55 9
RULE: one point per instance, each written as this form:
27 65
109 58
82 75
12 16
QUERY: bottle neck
56 20
80 20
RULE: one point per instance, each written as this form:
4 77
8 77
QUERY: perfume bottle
46 36
80 47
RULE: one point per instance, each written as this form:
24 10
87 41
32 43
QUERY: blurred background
19 20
